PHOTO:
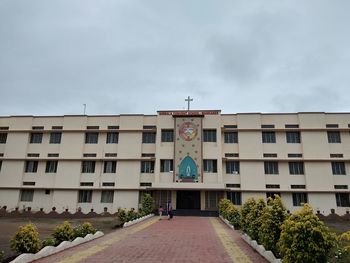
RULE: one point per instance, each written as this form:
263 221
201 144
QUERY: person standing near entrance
169 209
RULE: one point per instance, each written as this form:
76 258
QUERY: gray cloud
136 56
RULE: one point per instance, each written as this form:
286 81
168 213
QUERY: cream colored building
192 158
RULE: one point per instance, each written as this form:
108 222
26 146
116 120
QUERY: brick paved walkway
183 239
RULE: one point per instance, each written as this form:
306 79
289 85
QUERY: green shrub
50 241
131 215
245 210
342 250
26 239
63 232
84 229
2 253
223 205
305 238
122 215
272 220
233 216
147 204
254 219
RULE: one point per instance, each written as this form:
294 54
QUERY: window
149 127
91 137
51 166
341 186
271 167
268 137
47 191
270 155
55 137
166 166
108 184
37 127
298 186
295 155
233 185
212 199
269 186
33 154
110 167
89 155
112 137
210 166
296 167
293 137
336 155
167 135
86 184
338 168
147 167
235 197
232 167
230 137
57 127
148 155
88 167
343 199
333 137
3 137
209 135
92 127
53 155
148 137
31 166
36 137
291 126
85 196
299 199
332 126
111 154
28 183
113 127
0 165
264 126
231 155
107 196
146 184
27 195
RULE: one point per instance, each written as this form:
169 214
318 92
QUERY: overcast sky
142 56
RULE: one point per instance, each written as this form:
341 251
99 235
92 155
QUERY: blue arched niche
188 169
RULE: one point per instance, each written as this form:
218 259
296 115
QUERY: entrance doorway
188 200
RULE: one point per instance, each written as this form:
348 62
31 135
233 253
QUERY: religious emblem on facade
188 169
188 131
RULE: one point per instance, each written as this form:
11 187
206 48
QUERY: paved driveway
182 239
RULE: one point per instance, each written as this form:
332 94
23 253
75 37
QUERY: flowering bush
305 238
26 239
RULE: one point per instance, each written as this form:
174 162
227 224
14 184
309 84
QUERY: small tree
122 215
84 229
147 204
272 220
253 219
305 238
223 205
245 210
233 215
63 232
26 239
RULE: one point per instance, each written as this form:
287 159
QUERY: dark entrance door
188 200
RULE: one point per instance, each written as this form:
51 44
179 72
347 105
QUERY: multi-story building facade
193 158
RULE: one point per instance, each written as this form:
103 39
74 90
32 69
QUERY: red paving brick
183 239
